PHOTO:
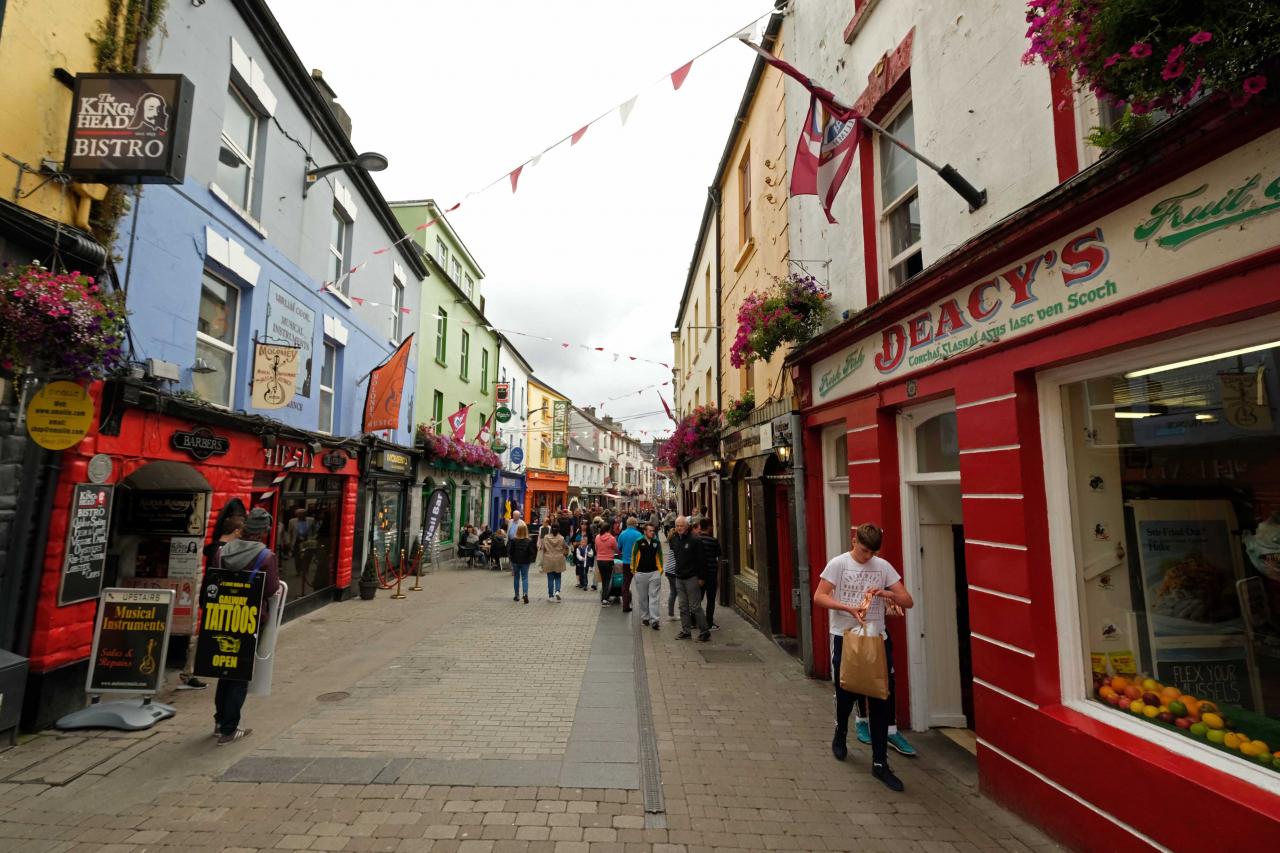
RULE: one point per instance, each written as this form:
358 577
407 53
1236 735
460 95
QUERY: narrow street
457 720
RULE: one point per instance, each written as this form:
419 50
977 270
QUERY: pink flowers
697 433
790 311
1140 50
1202 37
1112 60
1254 85
1173 64
59 324
449 449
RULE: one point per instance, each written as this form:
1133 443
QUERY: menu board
85 556
129 641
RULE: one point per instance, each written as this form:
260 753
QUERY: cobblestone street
460 721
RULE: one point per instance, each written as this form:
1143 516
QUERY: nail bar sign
129 128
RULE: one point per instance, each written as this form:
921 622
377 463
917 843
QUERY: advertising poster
560 430
275 375
232 603
292 322
129 641
161 513
1188 567
1219 674
86 551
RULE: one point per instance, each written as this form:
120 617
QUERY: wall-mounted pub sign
200 443
393 462
129 128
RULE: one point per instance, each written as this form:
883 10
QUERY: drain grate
650 773
336 696
728 656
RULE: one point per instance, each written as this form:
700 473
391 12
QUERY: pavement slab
472 723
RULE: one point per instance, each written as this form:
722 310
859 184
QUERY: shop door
789 623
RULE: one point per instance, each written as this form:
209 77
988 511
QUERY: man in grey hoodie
248 554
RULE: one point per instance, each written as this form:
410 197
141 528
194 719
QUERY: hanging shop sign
1215 215
232 612
85 556
59 415
393 462
163 513
129 128
275 375
335 460
502 394
129 641
498 446
560 429
99 468
200 443
290 320
517 455
503 414
437 507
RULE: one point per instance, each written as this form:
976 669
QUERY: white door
939 509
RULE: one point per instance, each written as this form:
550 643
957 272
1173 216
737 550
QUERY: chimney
331 98
590 410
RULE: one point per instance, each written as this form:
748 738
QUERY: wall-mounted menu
88 526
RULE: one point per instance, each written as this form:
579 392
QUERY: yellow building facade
546 475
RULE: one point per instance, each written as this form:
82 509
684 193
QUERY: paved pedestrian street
457 720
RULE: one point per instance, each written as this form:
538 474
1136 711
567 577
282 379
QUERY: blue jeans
520 573
553 582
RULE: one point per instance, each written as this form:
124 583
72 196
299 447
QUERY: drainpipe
722 501
52 465
802 543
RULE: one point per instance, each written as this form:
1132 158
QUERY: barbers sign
129 128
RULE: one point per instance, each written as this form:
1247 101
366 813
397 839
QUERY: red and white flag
824 153
482 437
458 423
668 408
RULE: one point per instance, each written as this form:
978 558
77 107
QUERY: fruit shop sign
1155 241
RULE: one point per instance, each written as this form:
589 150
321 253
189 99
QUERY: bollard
417 573
399 574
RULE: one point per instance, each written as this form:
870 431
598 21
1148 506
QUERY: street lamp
370 161
784 454
717 464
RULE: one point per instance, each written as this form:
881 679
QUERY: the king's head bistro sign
129 128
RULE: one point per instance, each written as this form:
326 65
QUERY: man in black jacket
686 549
709 568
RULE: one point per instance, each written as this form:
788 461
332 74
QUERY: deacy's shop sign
129 128
1211 217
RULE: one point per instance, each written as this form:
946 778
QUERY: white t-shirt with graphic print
851 580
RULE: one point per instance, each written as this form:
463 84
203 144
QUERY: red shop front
171 473
1068 429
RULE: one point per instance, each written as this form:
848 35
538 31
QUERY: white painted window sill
241 214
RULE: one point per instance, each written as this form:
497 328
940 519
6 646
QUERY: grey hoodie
239 554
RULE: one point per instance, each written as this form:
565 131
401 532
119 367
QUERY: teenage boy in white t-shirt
855 588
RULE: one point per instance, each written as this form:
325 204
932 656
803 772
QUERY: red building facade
1059 425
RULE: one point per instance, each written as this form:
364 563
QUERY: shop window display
307 533
388 536
1175 479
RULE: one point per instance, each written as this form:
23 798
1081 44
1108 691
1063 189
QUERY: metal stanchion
417 573
399 575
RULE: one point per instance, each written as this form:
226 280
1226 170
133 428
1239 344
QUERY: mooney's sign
1214 215
129 128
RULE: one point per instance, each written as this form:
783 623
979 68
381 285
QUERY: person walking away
230 530
856 587
686 570
668 560
552 550
606 551
522 555
247 555
646 568
709 573
627 540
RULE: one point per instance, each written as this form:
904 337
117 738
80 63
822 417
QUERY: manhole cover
728 656
336 696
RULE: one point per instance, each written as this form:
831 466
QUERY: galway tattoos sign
1215 215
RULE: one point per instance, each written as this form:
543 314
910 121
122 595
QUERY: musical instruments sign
275 375
129 641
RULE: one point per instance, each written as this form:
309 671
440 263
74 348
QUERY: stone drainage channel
612 743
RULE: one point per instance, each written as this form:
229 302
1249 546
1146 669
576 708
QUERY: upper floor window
339 247
484 371
437 411
706 333
442 253
442 336
236 154
397 310
216 342
900 201
455 271
744 198
465 371
471 287
328 382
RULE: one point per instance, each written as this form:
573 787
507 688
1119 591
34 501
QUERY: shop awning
167 476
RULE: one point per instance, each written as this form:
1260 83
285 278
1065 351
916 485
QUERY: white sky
595 246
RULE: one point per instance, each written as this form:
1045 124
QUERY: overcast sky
595 246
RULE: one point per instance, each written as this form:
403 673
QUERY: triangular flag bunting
578 134
624 111
455 207
515 176
677 76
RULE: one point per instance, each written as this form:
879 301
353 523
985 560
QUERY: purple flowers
59 324
450 449
791 311
697 433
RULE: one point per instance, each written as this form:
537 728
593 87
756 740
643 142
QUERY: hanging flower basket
697 433
59 324
791 311
740 408
1142 55
445 448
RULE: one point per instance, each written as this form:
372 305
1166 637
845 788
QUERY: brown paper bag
863 666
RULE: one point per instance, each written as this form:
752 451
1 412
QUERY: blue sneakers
898 742
862 729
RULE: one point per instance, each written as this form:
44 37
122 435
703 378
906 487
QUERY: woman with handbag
522 554
858 587
606 550
552 550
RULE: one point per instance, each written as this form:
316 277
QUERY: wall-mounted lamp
717 463
268 439
784 454
316 446
202 366
370 161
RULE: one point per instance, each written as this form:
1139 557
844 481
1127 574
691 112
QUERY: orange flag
386 387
